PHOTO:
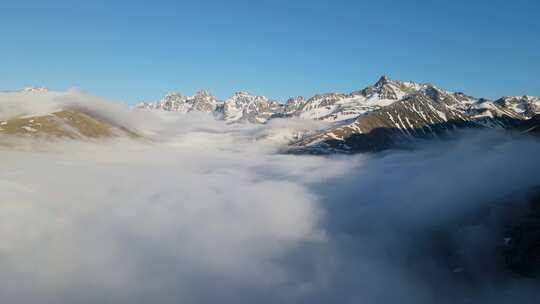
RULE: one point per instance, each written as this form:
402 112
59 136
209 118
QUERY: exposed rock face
294 105
200 102
243 107
388 89
529 126
527 106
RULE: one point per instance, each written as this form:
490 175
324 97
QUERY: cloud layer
206 212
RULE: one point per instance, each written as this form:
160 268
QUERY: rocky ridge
377 117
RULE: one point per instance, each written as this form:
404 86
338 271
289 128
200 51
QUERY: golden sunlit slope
72 124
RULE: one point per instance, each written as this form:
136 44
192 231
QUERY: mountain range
380 116
384 115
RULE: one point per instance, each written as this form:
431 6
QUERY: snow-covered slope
528 106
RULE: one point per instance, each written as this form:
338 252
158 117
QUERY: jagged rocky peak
387 89
203 93
294 104
244 107
462 97
173 101
173 96
322 100
241 97
525 105
202 101
384 79
296 100
245 96
437 94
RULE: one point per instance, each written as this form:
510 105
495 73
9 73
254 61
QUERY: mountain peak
173 93
296 99
242 93
384 79
203 93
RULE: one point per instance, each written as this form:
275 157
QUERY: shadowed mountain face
70 124
521 248
529 126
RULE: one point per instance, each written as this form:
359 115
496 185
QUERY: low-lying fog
204 212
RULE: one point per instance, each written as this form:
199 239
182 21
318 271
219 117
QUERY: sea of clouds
199 211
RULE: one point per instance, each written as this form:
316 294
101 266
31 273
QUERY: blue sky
139 50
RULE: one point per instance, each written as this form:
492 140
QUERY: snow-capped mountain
332 107
369 119
335 107
243 107
202 101
428 112
415 116
527 106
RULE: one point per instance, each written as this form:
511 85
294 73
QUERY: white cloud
207 212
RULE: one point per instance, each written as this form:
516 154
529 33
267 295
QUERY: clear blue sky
138 50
